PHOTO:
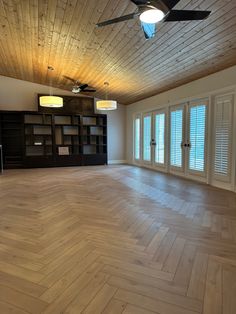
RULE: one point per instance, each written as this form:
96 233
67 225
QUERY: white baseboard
116 162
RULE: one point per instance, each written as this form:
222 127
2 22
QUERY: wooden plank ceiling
62 33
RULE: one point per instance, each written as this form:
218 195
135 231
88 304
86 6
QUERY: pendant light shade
51 101
106 104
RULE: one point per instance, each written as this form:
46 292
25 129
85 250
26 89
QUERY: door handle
188 145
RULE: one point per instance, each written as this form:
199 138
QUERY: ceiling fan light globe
152 16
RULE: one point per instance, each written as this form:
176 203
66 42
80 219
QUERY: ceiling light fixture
152 16
106 104
51 101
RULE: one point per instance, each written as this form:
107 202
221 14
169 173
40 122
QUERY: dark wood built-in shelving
35 139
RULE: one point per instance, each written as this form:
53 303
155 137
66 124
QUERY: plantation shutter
197 131
160 138
176 137
223 137
137 124
147 120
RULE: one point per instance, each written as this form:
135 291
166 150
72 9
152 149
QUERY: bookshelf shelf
35 139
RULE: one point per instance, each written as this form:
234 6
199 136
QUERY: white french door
174 142
197 134
150 137
177 135
147 154
159 139
137 138
175 139
188 139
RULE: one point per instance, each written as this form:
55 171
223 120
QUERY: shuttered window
197 127
147 138
223 135
176 137
160 138
137 138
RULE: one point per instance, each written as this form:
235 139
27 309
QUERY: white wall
223 81
21 95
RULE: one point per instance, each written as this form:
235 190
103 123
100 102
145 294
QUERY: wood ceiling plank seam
24 14
109 39
150 53
86 32
195 50
80 31
16 28
84 66
5 67
171 86
68 29
34 38
105 35
180 83
199 35
160 62
52 21
64 33
3 40
175 53
11 47
196 58
113 70
72 41
43 35
179 72
58 19
140 52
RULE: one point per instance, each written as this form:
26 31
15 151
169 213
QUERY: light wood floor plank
115 239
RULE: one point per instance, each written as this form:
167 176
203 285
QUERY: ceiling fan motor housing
76 89
152 5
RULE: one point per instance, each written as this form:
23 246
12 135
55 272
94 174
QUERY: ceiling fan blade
83 86
140 2
170 3
118 19
149 29
70 79
89 90
186 15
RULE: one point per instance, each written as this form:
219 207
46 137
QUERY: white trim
116 162
217 92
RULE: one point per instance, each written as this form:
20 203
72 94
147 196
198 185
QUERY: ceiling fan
153 11
79 87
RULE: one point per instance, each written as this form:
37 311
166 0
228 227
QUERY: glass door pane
137 124
197 128
176 138
159 133
147 131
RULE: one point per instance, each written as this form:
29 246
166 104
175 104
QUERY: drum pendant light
51 101
106 104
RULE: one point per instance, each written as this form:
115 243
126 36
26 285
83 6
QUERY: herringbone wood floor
115 240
